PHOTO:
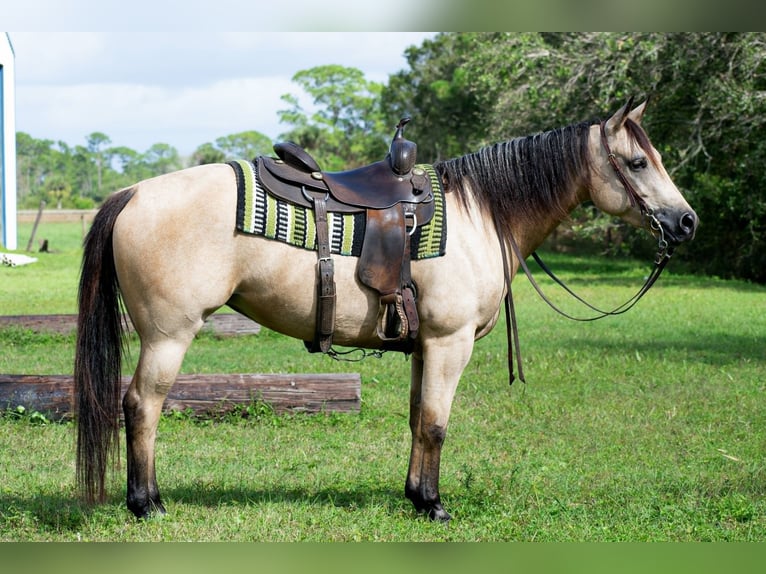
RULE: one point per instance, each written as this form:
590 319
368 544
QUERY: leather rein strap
664 251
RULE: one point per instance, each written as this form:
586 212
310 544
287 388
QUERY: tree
448 118
244 145
207 153
97 147
713 136
57 189
82 172
31 165
346 128
129 167
161 158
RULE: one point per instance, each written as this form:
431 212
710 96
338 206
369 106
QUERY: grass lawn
650 426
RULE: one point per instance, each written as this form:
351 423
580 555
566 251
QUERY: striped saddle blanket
259 213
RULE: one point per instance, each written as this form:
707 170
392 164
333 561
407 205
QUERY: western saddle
396 197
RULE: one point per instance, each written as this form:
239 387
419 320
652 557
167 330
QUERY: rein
664 252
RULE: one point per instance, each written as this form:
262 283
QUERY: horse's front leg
412 485
435 376
157 368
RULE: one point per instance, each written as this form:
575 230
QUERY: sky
179 88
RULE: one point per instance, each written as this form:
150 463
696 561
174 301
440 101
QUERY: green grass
647 426
50 285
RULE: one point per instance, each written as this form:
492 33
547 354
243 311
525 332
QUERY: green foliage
346 128
207 153
448 116
162 158
21 413
243 145
81 177
57 190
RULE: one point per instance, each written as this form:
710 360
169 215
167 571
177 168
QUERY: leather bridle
663 249
664 252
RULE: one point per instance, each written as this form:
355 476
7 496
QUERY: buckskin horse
169 247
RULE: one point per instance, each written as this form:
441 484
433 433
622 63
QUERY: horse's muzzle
678 228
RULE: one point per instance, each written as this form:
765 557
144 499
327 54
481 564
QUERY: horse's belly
278 290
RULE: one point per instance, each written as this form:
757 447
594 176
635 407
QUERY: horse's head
629 180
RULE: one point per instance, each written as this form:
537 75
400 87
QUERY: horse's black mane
525 177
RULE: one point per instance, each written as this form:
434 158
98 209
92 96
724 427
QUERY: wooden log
63 324
204 394
221 324
48 394
231 325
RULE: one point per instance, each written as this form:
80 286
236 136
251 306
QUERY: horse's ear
616 122
637 113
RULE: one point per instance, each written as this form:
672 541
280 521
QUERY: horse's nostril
688 222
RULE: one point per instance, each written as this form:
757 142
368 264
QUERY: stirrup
392 323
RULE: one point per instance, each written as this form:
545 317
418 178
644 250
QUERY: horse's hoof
152 510
155 514
438 514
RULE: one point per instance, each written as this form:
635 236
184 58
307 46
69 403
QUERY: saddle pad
259 213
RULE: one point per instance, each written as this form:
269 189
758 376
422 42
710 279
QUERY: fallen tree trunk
203 394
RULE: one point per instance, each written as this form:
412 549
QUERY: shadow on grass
626 271
621 272
61 513
349 498
711 349
45 513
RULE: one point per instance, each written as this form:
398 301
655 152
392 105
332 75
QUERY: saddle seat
373 186
396 197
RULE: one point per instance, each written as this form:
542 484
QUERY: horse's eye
637 163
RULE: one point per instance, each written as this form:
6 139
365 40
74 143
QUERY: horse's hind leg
157 368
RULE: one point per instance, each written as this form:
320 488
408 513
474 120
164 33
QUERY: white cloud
183 89
146 115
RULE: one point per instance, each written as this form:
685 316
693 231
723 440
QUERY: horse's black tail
98 355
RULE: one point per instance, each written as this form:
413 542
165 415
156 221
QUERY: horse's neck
529 235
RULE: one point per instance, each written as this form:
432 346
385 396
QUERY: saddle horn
402 152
